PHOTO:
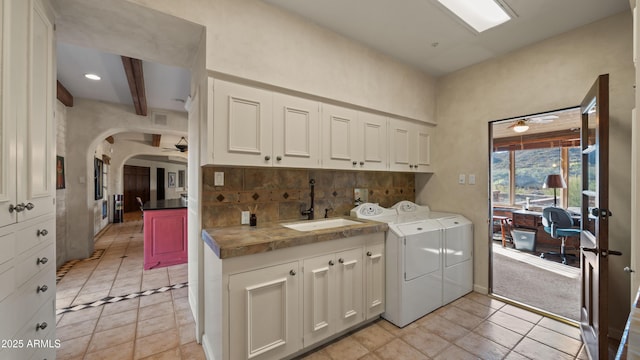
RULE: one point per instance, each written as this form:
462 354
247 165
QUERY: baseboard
206 347
480 289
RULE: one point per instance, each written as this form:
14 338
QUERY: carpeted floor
540 283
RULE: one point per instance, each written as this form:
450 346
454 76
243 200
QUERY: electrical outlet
461 179
244 219
218 180
472 179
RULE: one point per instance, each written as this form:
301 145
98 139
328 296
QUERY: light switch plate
218 180
461 179
472 179
245 218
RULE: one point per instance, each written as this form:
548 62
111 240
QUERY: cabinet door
339 137
349 284
40 133
295 132
8 141
375 279
421 148
319 294
400 140
264 304
242 125
373 142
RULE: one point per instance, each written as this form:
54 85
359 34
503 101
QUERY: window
532 166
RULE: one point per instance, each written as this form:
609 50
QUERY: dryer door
422 244
458 240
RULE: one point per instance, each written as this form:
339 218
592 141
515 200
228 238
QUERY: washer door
422 249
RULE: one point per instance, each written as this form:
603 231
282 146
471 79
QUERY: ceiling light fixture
521 126
92 77
479 14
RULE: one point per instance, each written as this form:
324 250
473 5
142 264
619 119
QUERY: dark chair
139 200
558 223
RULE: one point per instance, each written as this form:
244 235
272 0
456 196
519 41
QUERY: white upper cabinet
353 139
27 135
409 146
242 125
296 125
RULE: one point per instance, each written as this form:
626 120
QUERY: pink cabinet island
165 233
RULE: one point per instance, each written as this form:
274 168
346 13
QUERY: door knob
29 206
592 250
292 272
628 270
331 263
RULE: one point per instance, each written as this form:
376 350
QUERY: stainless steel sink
320 224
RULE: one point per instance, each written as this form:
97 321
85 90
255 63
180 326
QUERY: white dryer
414 263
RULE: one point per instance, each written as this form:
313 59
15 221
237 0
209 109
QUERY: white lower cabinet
263 306
282 303
332 297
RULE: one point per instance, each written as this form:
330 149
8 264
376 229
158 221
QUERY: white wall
552 74
170 193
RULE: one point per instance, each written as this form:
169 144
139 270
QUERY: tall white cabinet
27 178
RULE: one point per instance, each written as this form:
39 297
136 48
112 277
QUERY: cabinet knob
292 272
354 163
42 288
29 206
415 166
41 326
278 158
331 263
369 253
267 158
42 261
341 261
17 208
42 232
361 163
410 166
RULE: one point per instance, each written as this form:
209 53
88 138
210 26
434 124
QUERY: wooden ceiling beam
155 140
64 95
135 78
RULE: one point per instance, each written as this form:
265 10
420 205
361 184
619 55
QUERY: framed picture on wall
60 172
181 178
171 182
97 178
104 209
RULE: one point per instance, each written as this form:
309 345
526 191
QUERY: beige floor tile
112 337
428 343
76 330
535 350
67 292
515 356
370 356
318 355
155 325
485 300
482 347
555 340
124 290
474 308
155 298
84 298
73 348
346 349
156 343
120 352
511 322
187 333
78 316
461 317
181 303
442 327
562 328
521 313
455 353
171 354
154 310
180 293
184 317
192 351
399 350
120 306
373 336
64 302
498 334
116 320
396 331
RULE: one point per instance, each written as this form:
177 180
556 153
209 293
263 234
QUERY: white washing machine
457 248
414 263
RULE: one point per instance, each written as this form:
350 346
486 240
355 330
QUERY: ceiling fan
522 125
182 146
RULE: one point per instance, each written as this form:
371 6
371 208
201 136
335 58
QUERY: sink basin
321 224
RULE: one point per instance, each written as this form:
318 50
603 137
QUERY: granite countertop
242 240
165 204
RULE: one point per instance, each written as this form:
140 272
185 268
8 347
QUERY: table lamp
554 181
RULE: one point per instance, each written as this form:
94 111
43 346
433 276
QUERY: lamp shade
554 181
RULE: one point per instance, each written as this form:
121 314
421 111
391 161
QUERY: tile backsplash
279 194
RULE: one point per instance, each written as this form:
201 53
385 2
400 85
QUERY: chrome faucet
309 211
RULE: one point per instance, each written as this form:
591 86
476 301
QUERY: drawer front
7 283
36 333
524 220
36 292
7 247
35 234
42 258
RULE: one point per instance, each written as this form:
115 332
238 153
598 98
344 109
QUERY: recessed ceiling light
479 14
92 76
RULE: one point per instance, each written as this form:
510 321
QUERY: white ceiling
408 29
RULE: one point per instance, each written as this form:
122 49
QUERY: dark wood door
594 241
136 183
160 184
